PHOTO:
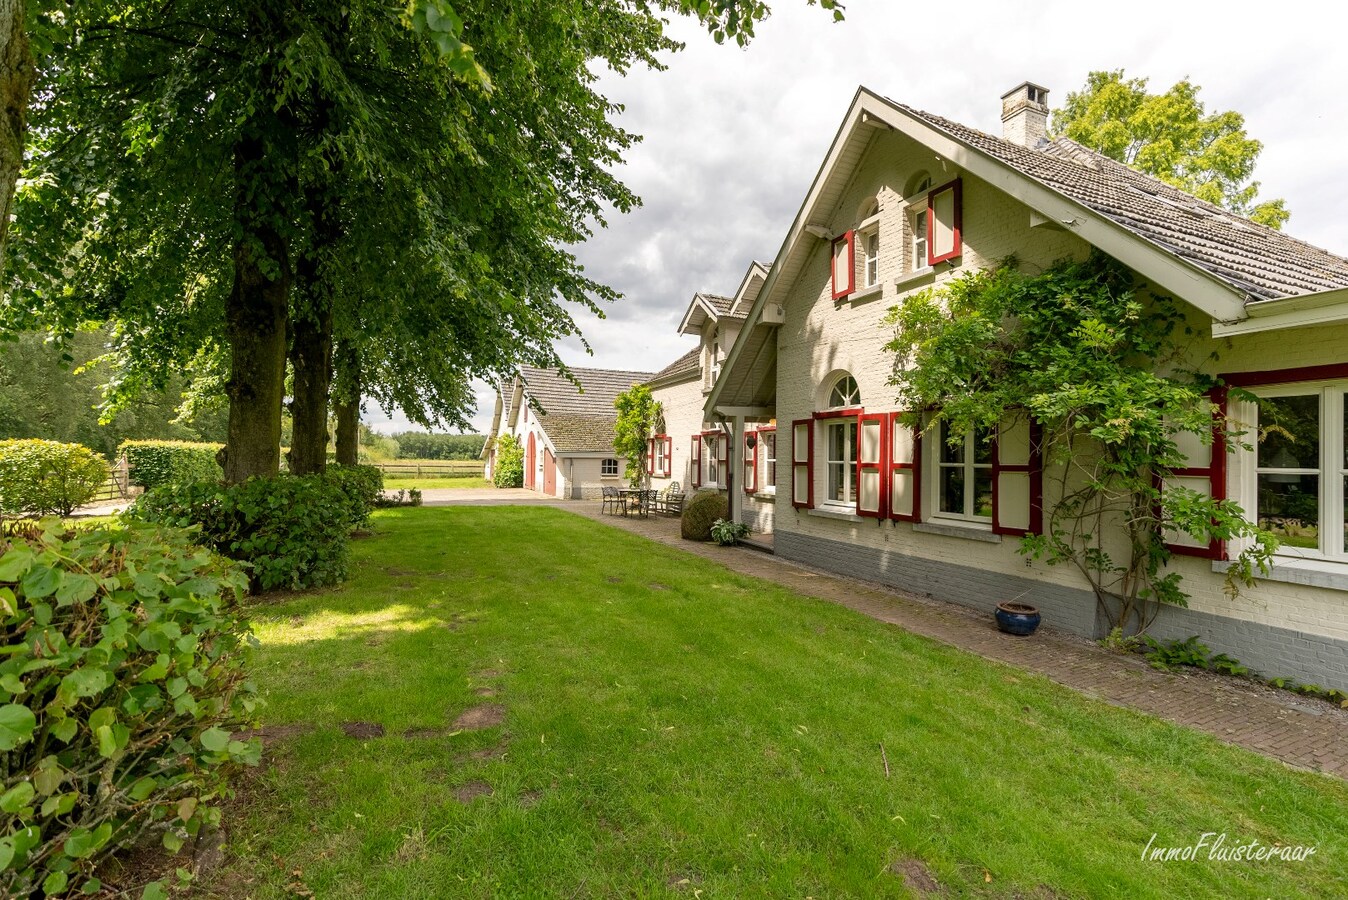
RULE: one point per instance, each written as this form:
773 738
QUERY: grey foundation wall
1265 649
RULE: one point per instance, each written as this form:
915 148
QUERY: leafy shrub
700 512
509 469
152 463
409 497
1172 654
363 486
121 684
292 530
45 477
727 534
420 445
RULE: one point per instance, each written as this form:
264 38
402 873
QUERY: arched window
919 183
845 393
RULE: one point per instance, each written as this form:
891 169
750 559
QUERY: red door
529 464
549 473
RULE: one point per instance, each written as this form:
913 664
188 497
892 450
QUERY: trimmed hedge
700 513
47 477
292 530
152 463
121 686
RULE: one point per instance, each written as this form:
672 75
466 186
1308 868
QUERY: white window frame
604 465
935 465
916 206
870 262
848 461
767 482
711 462
1332 471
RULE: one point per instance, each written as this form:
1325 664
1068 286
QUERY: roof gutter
1317 308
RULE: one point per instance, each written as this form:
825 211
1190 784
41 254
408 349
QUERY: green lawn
392 483
672 728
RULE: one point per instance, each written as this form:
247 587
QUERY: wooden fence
450 468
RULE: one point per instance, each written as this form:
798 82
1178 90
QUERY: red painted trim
697 460
1215 470
1035 469
915 467
840 291
957 225
879 466
850 413
669 456
650 456
807 464
1330 372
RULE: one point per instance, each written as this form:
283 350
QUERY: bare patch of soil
487 753
472 790
917 877
363 730
484 692
395 572
488 715
614 579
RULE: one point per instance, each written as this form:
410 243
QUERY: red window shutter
1018 478
904 452
669 456
650 456
750 463
697 460
872 449
802 463
844 265
945 222
1209 478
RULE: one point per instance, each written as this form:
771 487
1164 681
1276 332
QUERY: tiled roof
1262 262
579 420
580 434
686 365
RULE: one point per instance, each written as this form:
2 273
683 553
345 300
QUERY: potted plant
1017 618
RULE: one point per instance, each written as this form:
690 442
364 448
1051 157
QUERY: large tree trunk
348 406
311 368
256 315
16 82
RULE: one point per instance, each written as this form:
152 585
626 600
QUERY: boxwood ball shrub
152 463
292 530
121 684
48 477
700 513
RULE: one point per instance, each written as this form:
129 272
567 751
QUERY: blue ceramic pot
1017 618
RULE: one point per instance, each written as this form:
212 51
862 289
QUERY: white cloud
732 138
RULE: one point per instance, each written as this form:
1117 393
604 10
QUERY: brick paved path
1310 734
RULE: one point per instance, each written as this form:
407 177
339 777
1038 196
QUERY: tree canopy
1171 136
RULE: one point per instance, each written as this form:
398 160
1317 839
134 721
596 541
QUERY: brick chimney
1025 115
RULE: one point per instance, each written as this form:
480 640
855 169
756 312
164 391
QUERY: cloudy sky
732 138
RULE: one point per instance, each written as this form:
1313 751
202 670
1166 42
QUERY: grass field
642 723
397 483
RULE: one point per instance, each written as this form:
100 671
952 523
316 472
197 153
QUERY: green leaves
1172 137
215 739
17 723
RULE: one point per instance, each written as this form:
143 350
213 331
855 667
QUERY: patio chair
672 501
611 498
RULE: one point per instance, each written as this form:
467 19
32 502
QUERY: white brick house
905 200
566 431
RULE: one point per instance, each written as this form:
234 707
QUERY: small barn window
608 468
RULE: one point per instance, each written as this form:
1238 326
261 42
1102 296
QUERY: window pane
982 447
835 443
983 493
950 453
952 490
1289 432
836 486
1289 506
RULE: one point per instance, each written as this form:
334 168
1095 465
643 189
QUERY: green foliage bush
46 477
292 530
121 685
509 469
153 463
727 533
700 513
363 486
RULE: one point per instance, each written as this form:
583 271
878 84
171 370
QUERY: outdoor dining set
642 501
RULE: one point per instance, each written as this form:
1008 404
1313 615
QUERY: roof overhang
699 310
1320 308
1190 283
748 291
